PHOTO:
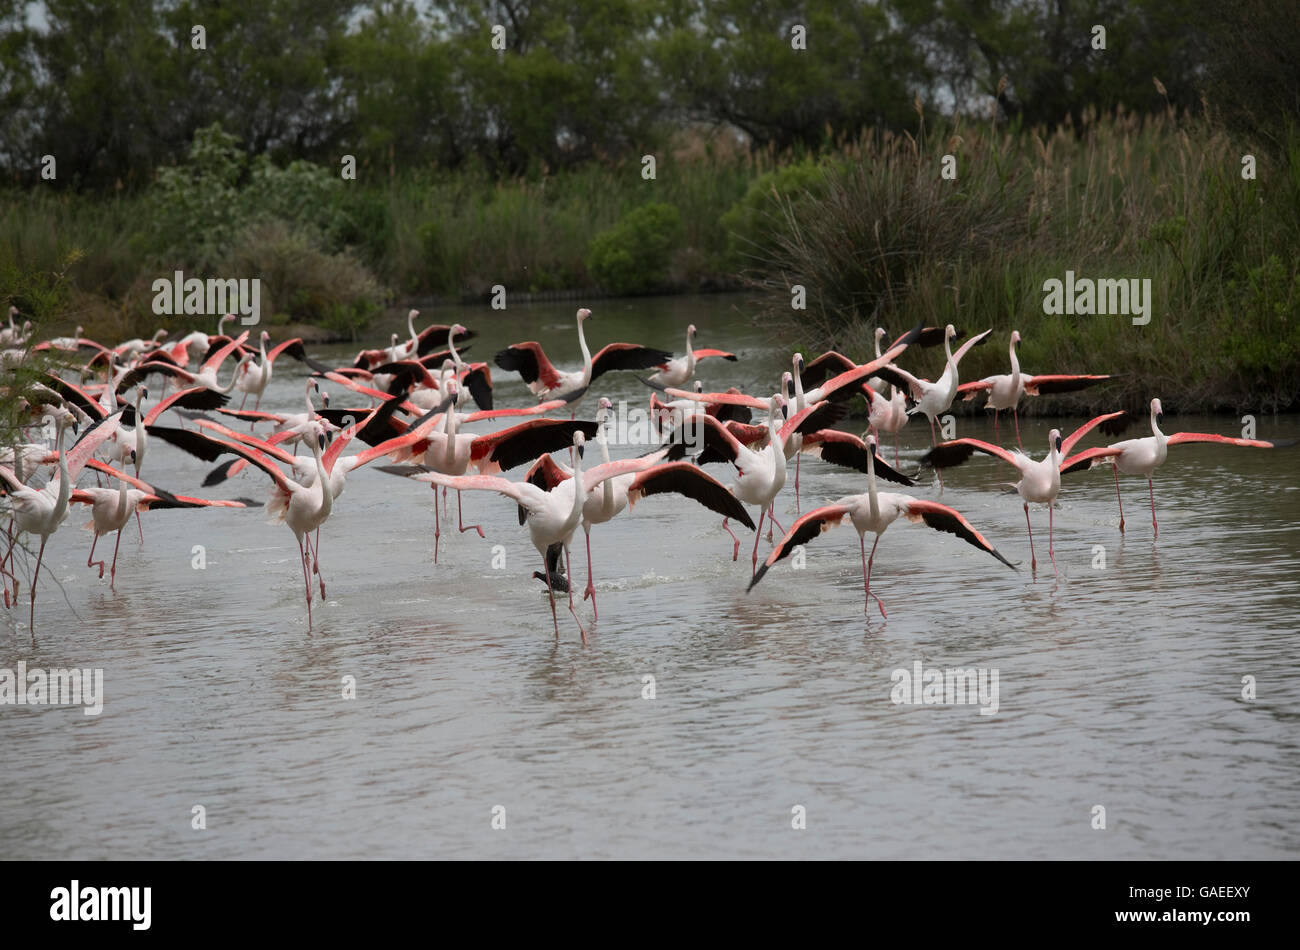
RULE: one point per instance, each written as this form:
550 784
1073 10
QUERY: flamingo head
458 330
699 386
691 331
324 399
144 392
1054 440
412 314
266 336
1015 338
871 443
584 315
13 311
798 363
950 331
81 331
579 440
787 383
880 333
1157 410
224 320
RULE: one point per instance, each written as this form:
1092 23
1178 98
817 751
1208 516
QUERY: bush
634 256
333 291
751 222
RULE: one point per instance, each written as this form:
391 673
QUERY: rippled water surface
1119 685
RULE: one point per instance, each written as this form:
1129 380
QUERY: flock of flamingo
410 400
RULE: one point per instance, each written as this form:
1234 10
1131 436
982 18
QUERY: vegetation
795 142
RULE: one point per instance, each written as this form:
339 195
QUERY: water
1118 687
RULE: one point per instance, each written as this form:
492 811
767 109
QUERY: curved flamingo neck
322 479
410 326
586 353
1015 363
800 402
1155 429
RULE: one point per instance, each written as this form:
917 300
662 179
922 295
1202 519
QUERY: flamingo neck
410 326
586 355
800 402
322 479
65 482
872 500
1155 428
877 346
122 490
451 346
1015 364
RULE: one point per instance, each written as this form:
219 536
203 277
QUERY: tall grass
890 242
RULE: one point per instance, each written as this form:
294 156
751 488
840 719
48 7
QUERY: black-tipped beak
1058 443
320 440
582 450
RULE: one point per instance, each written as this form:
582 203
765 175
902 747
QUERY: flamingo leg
934 440
867 562
446 508
460 517
138 526
1033 561
31 616
735 549
895 449
797 456
1015 412
758 534
996 439
591 587
89 562
1155 527
1050 553
550 591
1115 470
437 524
306 579
112 572
315 553
242 401
569 570
771 520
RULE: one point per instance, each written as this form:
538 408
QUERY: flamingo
547 382
875 511
41 511
678 372
552 516
450 452
1040 481
255 377
205 377
111 509
303 507
933 399
1004 391
1144 456
616 494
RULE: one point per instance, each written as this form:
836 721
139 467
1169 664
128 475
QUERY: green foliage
751 222
634 256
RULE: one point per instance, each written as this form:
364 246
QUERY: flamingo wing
530 362
438 335
94 436
522 443
198 398
1060 383
594 476
819 416
683 478
1103 422
478 380
75 395
215 357
969 391
627 356
729 398
802 531
1187 438
942 518
148 368
829 364
295 349
716 354
1089 458
950 454
546 473
848 451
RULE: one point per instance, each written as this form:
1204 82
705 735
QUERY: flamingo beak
582 450
1058 443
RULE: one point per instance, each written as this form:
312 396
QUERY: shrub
634 255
